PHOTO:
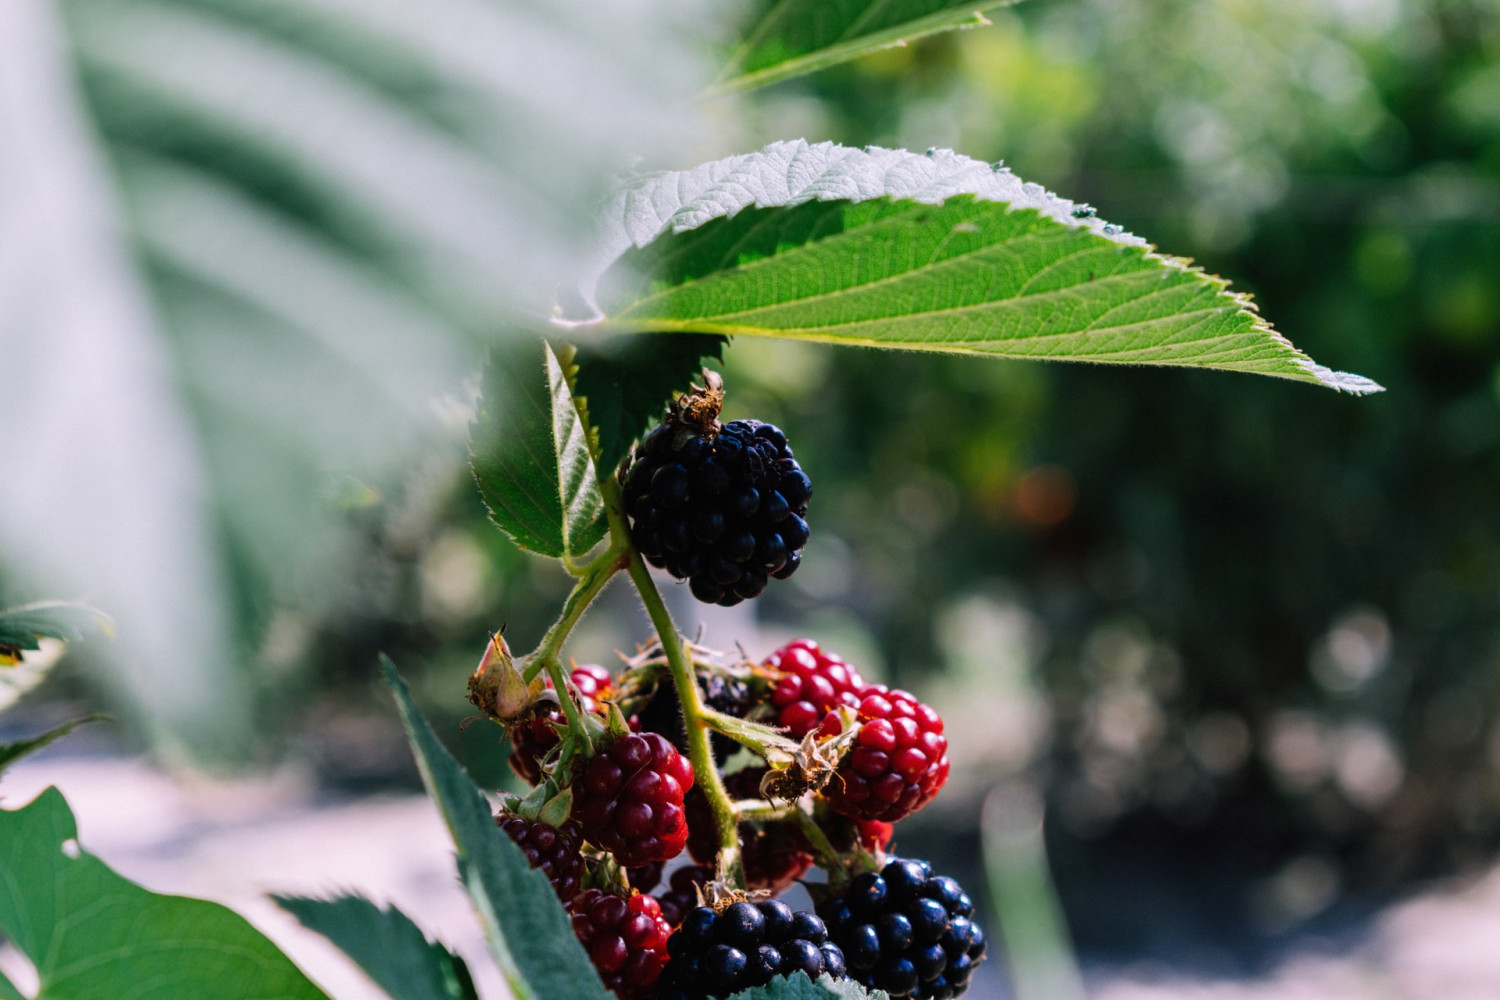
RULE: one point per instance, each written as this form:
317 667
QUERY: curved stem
595 576
570 708
680 663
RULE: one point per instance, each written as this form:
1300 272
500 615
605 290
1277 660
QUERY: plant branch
700 755
595 575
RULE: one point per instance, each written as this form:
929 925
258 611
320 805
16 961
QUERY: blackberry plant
865 247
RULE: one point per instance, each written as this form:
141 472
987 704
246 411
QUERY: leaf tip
1356 385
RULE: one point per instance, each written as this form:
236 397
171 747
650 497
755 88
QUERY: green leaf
792 37
387 945
529 450
529 933
626 382
799 987
12 752
22 627
93 935
885 248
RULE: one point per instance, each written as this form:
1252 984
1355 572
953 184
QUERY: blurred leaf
12 752
529 933
626 382
22 627
798 987
387 945
885 248
93 935
530 455
793 37
225 303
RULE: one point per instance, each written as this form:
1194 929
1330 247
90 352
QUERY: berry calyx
745 945
626 940
898 761
556 850
810 682
628 799
721 506
533 738
906 931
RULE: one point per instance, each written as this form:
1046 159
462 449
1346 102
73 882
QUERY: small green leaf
387 945
22 627
792 37
12 752
799 987
529 933
627 382
93 935
529 450
885 248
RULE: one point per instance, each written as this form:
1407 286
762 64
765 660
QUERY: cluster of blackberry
719 505
907 931
723 507
747 944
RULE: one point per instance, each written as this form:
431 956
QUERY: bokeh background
1238 640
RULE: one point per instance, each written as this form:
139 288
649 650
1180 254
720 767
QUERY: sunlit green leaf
529 451
885 248
391 949
529 933
93 935
792 37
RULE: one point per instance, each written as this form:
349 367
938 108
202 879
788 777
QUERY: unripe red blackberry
812 683
628 799
626 939
534 738
898 762
719 505
906 932
748 944
556 850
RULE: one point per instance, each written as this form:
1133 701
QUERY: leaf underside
626 382
529 933
530 455
93 935
790 37
889 249
387 945
799 987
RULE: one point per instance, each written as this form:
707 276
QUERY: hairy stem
564 690
595 576
706 774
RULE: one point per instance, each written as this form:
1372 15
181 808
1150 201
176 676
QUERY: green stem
828 858
762 739
685 679
595 576
570 709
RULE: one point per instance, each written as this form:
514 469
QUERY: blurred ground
237 841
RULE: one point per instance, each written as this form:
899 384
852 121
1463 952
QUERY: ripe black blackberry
719 505
906 931
749 944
